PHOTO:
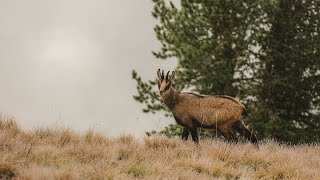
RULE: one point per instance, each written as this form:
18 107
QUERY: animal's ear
173 75
159 73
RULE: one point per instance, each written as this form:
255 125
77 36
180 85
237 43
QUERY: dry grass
63 154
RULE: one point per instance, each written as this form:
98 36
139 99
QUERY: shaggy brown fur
192 111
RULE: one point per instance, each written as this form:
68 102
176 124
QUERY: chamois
193 111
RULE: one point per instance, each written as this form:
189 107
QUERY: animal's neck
171 98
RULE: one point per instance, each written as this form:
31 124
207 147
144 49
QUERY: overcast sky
68 63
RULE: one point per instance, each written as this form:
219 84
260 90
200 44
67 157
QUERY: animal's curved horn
162 76
167 77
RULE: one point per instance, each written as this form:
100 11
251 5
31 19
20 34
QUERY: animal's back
213 101
209 111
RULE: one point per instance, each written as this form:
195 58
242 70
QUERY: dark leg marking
194 134
185 134
239 126
232 139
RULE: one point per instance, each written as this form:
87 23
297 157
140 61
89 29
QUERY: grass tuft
9 124
66 136
137 170
126 139
160 143
92 137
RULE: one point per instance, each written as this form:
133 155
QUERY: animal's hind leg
241 128
185 134
228 134
194 134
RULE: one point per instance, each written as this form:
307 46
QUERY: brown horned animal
193 111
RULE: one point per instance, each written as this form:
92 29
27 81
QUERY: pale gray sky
69 62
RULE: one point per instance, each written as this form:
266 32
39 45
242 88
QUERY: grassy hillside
63 154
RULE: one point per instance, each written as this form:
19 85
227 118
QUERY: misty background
68 63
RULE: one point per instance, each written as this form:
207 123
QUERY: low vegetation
61 153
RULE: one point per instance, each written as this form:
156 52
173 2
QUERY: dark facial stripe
167 87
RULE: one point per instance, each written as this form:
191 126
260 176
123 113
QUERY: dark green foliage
264 52
210 40
290 57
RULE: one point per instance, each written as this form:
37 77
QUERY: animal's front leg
194 134
185 134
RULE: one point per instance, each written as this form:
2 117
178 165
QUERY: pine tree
289 92
264 52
